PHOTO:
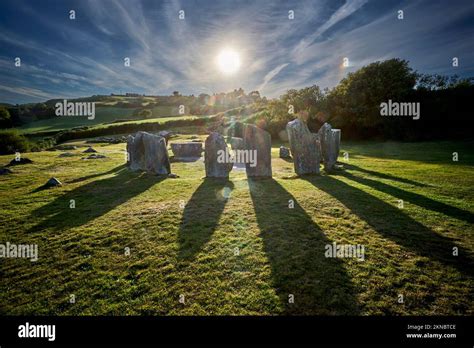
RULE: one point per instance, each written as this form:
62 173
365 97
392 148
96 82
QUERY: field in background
236 247
104 114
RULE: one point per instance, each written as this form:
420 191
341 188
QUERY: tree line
354 104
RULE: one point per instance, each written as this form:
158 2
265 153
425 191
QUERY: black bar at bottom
250 330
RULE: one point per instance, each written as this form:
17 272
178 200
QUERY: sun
228 61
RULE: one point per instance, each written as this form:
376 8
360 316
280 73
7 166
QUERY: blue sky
64 58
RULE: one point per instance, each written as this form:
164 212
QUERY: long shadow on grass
201 216
414 198
92 200
96 175
295 247
383 175
393 224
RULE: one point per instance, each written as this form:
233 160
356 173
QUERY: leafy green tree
42 111
145 113
11 141
434 82
306 99
255 96
5 118
355 101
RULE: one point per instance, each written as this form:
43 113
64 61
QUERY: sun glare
228 61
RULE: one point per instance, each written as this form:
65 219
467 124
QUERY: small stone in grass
95 156
89 150
53 182
21 160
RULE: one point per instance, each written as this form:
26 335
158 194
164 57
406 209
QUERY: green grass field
104 114
247 253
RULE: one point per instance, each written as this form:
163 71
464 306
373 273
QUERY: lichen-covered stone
304 147
330 140
214 144
257 139
284 152
148 152
236 143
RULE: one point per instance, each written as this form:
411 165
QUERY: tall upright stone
129 148
304 147
260 141
236 129
236 143
214 148
148 152
330 142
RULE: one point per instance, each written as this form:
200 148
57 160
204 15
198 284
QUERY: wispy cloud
31 92
268 77
86 56
343 12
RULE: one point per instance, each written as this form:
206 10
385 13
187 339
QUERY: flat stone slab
94 156
186 150
66 154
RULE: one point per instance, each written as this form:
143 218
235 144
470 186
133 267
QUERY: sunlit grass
248 253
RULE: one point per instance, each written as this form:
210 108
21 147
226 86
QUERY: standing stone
129 148
283 135
148 152
304 148
236 129
259 141
337 142
236 143
284 152
215 149
330 142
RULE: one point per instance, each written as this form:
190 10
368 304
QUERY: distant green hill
104 114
